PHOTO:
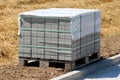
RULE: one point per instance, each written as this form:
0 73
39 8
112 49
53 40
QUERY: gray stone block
20 54
34 33
20 40
65 55
40 34
20 49
65 36
54 55
34 41
51 24
47 56
51 21
34 51
97 18
53 35
40 39
47 34
69 57
27 42
26 22
51 45
25 33
61 57
97 46
27 50
37 41
89 49
34 55
64 25
40 56
63 45
26 38
40 51
97 35
92 48
26 55
83 52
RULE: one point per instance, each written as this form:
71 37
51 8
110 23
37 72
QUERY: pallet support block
43 63
69 66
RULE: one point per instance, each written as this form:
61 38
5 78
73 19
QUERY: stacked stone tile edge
59 33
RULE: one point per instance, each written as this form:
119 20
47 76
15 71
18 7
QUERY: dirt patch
110 46
15 72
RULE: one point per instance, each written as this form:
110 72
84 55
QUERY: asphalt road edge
89 69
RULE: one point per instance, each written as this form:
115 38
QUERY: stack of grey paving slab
59 33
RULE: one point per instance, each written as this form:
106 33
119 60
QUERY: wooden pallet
67 65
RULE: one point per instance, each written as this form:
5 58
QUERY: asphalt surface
110 73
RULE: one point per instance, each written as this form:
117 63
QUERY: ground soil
110 46
16 72
12 71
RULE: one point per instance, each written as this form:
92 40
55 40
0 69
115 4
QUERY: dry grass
9 10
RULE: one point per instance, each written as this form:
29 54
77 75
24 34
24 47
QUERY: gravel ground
111 73
110 46
15 72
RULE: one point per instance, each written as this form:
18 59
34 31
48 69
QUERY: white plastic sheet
75 15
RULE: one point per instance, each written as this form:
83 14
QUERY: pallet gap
56 65
33 63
